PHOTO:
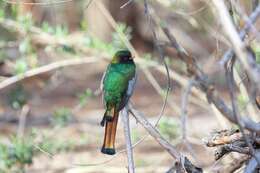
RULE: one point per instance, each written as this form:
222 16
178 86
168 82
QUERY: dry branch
180 159
235 165
228 141
235 40
252 19
129 149
205 85
252 164
45 69
222 137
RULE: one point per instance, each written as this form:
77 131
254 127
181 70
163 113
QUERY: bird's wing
129 91
102 86
131 86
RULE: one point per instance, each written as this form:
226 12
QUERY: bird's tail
110 135
109 114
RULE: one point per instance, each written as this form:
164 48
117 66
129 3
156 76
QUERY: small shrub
17 97
16 155
61 117
85 96
169 128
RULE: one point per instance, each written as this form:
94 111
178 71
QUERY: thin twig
22 120
206 87
184 162
37 3
126 4
252 19
230 82
184 104
235 165
234 37
153 132
129 150
46 68
162 57
252 164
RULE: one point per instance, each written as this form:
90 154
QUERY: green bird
117 84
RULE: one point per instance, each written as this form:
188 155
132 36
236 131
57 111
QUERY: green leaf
61 117
17 97
169 128
85 96
20 66
25 46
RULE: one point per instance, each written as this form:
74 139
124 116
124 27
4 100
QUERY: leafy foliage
169 128
85 97
18 153
17 97
61 117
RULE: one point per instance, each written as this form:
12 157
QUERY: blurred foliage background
49 122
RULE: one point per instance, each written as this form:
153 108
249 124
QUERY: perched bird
117 85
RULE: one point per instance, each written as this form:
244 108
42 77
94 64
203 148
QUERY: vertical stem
129 151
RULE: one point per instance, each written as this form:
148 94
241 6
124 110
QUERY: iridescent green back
115 83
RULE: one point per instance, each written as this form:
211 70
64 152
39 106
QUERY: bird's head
122 56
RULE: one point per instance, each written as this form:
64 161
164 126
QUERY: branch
236 42
238 147
235 165
184 104
231 85
129 150
155 133
46 68
186 164
229 141
22 120
252 19
223 137
206 87
252 164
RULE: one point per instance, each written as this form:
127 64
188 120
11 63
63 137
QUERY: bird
117 85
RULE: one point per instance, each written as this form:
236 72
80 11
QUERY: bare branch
236 42
22 120
46 68
187 165
38 3
252 19
206 87
184 103
235 165
252 164
129 150
230 82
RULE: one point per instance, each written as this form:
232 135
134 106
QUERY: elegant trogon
117 85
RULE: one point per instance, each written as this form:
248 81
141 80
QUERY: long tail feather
110 112
110 135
